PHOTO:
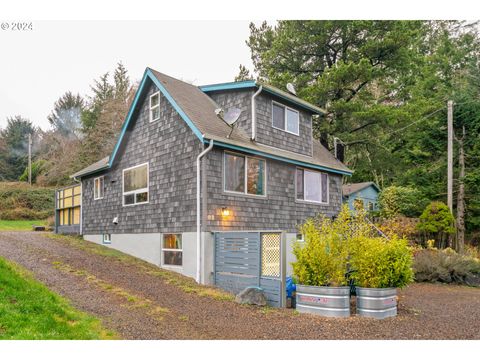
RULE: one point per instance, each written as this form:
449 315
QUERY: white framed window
244 174
155 106
172 250
285 118
135 185
98 188
107 238
312 186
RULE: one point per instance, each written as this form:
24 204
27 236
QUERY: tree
66 115
437 221
243 74
14 140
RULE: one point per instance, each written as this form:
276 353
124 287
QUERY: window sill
311 202
263 197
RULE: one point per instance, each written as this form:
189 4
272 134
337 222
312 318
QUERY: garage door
244 259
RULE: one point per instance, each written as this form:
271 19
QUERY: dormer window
155 106
285 118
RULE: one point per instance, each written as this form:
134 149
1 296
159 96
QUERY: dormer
269 115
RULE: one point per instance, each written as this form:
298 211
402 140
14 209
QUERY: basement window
172 250
107 239
135 185
98 188
155 107
312 186
285 118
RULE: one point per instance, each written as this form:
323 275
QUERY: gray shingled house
186 191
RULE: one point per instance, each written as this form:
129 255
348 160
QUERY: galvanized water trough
324 300
376 303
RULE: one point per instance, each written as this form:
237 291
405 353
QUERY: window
285 118
155 106
98 184
135 185
300 237
68 205
244 174
172 249
312 186
370 206
107 238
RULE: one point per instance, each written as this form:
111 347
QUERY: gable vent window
135 185
98 188
155 106
285 118
312 186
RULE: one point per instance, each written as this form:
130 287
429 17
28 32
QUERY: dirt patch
141 301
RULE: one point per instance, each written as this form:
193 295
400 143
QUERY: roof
197 109
98 166
266 87
349 189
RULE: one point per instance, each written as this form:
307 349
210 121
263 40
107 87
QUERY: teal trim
279 158
305 106
149 75
252 84
228 86
127 119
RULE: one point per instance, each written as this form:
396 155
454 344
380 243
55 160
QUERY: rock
252 295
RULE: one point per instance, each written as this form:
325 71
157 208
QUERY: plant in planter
321 266
380 267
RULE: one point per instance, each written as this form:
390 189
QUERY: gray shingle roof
349 189
199 109
99 165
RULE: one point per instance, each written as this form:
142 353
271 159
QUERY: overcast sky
38 66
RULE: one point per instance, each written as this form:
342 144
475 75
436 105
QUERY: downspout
199 257
254 113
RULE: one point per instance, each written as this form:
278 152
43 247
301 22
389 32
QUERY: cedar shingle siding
170 147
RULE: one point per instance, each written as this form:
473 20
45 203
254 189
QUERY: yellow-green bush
333 247
381 263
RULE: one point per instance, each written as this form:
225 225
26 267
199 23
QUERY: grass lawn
30 311
20 225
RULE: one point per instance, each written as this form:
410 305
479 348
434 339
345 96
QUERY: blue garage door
244 259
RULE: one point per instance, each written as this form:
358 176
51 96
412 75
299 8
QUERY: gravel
139 305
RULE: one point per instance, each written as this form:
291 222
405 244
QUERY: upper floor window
285 118
312 186
98 187
135 185
155 106
244 174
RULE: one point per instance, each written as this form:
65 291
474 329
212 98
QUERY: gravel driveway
141 301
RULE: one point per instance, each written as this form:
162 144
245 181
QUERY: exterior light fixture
225 211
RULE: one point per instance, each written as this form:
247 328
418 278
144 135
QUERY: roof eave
271 89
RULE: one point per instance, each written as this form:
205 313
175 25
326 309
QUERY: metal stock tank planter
376 303
324 300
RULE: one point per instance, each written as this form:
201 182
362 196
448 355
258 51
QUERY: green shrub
322 258
446 266
37 168
22 202
381 263
400 200
437 222
25 214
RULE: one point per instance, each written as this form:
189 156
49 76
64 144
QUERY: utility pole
450 156
30 158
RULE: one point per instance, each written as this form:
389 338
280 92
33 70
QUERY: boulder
252 296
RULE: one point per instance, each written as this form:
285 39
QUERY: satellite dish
232 115
291 89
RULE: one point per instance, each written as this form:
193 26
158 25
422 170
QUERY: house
365 192
186 191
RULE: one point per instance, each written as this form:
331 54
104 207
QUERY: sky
38 66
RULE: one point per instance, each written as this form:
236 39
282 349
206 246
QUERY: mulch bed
148 307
